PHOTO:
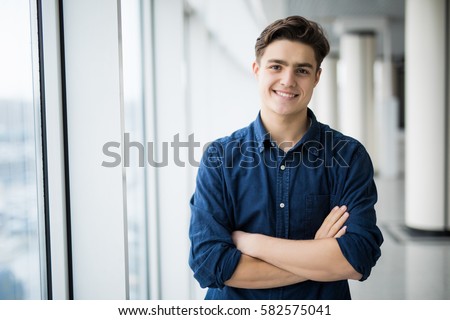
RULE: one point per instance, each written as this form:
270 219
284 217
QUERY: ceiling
361 15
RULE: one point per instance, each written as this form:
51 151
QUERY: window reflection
20 180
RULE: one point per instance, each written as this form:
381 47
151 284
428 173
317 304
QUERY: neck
285 130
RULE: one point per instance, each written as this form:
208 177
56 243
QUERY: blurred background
106 107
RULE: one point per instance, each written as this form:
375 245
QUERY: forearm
252 273
319 260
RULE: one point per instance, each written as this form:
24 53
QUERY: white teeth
286 95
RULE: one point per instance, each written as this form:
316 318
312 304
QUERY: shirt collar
261 134
312 134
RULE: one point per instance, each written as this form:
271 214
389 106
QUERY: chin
285 111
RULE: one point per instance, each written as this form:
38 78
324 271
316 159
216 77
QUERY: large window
22 257
132 16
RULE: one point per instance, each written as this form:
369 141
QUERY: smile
285 94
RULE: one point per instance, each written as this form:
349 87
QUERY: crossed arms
268 262
220 257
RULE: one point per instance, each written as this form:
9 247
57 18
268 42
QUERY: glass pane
134 129
20 164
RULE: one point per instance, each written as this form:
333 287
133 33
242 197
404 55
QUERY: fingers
335 214
341 232
337 226
333 223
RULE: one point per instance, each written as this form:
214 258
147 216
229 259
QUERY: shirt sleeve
213 256
362 241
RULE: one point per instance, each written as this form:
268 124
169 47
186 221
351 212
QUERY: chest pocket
317 209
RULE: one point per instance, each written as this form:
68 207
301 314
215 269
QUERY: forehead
293 52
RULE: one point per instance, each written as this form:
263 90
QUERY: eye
275 67
302 71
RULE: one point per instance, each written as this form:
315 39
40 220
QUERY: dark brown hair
294 28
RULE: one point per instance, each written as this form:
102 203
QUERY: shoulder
234 140
338 144
227 151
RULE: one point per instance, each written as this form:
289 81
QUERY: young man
284 208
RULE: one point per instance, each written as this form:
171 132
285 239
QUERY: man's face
287 74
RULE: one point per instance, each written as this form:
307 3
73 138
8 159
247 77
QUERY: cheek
308 86
262 90
272 82
264 85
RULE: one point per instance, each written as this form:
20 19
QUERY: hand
243 241
333 225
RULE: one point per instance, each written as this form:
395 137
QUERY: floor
411 266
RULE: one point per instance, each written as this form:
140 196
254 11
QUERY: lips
285 94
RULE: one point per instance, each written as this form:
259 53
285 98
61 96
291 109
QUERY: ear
318 73
255 68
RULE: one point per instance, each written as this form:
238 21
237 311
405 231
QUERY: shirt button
282 167
282 205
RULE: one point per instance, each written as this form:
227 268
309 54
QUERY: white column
94 118
386 114
172 179
325 98
426 120
356 112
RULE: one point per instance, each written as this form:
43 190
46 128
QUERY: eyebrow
284 63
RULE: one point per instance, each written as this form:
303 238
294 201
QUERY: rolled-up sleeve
362 241
213 256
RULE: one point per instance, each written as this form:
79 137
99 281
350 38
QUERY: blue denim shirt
245 182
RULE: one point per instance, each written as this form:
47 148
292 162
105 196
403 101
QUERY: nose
288 79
